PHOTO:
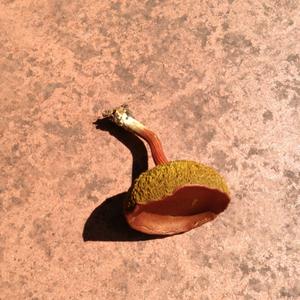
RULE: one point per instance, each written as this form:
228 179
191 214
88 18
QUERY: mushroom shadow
107 222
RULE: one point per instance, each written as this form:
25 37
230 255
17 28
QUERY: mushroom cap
175 197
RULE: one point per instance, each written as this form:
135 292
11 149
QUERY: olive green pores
162 180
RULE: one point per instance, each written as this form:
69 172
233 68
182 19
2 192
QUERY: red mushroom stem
123 118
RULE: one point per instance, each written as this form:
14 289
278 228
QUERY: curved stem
123 118
155 145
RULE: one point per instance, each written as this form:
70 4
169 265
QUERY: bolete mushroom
174 196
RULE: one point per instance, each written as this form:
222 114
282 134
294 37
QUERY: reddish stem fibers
122 117
157 151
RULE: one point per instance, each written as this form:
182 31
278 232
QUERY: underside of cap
162 180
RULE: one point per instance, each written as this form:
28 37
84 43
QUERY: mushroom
174 196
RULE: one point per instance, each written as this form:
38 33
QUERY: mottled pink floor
218 81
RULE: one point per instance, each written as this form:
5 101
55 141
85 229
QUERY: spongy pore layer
164 179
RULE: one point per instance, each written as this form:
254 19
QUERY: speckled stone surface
218 81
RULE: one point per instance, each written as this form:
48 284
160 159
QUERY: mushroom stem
123 118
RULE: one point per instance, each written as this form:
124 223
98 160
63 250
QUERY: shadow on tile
107 222
131 141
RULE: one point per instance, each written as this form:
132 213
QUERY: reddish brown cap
188 207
